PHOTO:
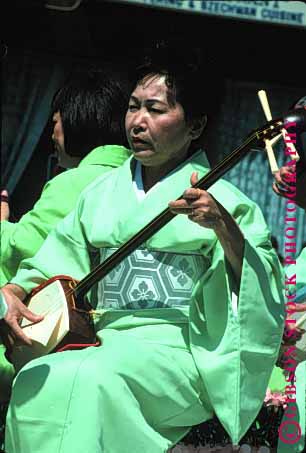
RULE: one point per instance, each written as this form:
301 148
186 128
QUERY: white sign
278 12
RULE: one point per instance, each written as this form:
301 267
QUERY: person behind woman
87 114
89 139
190 323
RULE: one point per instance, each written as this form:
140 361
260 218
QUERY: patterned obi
150 279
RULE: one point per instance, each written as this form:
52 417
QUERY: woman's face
157 131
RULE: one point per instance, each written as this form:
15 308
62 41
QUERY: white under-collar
138 182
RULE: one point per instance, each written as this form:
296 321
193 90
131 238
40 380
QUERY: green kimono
175 347
22 239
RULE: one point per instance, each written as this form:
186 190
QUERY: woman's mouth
139 144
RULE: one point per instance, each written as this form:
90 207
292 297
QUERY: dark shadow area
103 31
248 49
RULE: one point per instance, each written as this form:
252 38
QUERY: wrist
17 290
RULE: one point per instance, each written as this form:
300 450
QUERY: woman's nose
137 129
138 122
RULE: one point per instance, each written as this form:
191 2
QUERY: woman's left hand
203 209
199 205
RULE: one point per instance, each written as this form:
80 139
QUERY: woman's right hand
13 296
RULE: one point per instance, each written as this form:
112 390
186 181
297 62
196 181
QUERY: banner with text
278 12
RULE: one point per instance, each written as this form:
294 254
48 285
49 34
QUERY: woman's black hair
92 105
191 75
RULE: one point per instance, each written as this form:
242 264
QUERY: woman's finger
194 178
193 194
26 313
179 204
19 334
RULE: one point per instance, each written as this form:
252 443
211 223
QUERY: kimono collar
199 158
111 155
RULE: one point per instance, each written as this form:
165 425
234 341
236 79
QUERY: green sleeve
64 252
22 240
7 231
240 343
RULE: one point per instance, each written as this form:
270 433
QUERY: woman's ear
197 127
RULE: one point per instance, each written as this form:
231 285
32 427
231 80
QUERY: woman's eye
156 110
132 107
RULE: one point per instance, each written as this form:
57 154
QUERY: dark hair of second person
92 106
